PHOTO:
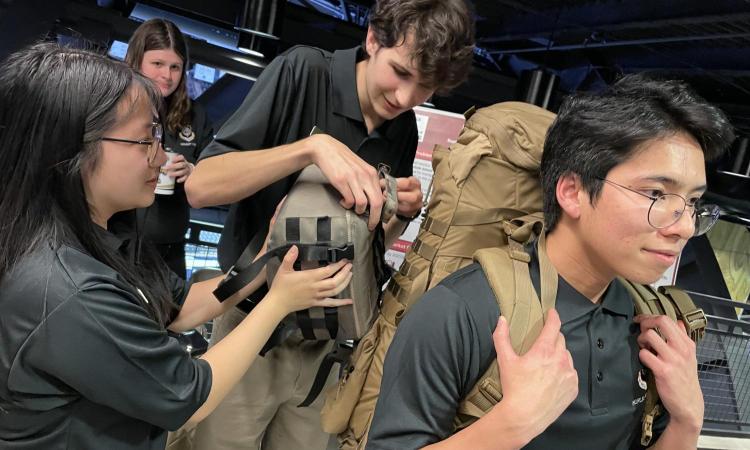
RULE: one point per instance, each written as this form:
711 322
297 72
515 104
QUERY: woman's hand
179 168
293 290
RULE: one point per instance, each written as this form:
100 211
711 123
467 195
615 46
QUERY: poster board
434 127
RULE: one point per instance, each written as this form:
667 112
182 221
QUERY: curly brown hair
443 32
160 34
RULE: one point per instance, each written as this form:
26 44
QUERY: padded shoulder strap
507 271
648 300
676 304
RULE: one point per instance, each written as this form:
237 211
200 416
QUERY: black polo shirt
166 220
82 365
444 344
302 88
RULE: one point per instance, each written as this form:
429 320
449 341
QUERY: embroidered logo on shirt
642 380
187 133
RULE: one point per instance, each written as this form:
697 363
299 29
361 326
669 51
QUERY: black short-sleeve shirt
302 88
82 365
166 220
444 344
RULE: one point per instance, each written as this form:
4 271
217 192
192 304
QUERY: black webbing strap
305 324
240 275
339 354
324 229
292 229
383 271
331 318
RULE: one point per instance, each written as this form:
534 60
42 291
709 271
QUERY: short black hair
594 132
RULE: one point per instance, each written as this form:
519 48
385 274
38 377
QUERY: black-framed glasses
667 209
153 144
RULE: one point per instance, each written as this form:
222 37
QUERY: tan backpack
486 193
489 175
507 271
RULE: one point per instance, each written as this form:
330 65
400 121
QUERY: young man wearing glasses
623 173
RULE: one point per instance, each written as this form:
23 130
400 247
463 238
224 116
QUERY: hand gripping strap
241 274
507 272
675 303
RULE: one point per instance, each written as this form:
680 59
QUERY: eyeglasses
153 144
667 209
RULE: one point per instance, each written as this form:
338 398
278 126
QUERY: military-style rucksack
312 219
486 195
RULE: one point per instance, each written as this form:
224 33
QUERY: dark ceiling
588 43
579 44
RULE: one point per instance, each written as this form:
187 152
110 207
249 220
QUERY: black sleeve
105 347
203 128
437 355
262 114
178 287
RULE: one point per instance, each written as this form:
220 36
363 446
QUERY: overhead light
248 61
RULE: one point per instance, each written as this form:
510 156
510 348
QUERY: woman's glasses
153 144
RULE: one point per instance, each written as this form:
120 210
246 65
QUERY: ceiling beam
740 18
623 43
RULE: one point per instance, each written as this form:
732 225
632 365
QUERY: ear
371 43
570 195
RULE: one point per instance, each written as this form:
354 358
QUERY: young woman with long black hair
85 360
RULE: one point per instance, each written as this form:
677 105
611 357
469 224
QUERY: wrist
406 218
271 306
686 426
516 431
310 150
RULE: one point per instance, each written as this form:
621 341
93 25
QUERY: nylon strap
240 275
434 226
304 322
426 251
484 216
339 354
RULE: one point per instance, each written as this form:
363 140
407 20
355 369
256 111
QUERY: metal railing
724 367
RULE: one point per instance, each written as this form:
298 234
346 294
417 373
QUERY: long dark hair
55 105
160 34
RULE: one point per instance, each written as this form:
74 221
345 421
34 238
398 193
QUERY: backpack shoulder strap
676 304
693 317
507 272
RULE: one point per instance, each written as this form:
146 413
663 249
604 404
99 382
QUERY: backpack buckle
336 254
695 321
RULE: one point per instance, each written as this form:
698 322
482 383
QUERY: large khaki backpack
486 195
489 175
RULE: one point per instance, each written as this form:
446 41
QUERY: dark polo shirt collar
576 304
344 83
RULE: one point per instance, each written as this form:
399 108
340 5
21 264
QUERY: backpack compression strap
245 270
675 303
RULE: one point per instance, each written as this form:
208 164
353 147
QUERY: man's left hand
409 193
668 351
